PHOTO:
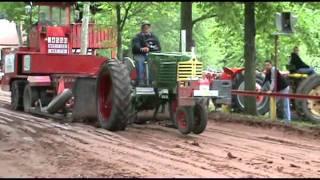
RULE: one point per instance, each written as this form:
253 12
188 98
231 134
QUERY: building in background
8 40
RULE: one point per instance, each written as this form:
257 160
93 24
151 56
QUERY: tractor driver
143 43
298 64
43 20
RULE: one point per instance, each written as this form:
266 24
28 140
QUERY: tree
186 22
219 37
122 12
249 55
85 27
15 11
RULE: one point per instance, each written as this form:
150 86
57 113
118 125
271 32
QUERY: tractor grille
167 72
189 69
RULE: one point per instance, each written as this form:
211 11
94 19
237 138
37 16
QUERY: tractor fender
230 73
131 67
39 80
234 71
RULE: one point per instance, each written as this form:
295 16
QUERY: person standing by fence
278 84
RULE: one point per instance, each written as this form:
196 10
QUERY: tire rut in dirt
112 143
117 76
188 151
120 148
156 156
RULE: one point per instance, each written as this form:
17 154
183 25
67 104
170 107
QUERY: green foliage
227 33
165 22
13 11
219 35
218 28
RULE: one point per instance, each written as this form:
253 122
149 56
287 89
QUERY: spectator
281 86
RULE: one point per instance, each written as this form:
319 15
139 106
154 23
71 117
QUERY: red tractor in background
299 83
236 75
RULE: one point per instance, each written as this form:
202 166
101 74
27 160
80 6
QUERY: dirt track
38 147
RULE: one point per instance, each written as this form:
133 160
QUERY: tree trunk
19 33
186 22
85 27
249 55
119 33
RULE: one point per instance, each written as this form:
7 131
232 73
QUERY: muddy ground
37 147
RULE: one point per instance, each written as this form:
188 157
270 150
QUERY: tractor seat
298 75
293 72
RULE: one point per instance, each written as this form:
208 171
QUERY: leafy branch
203 17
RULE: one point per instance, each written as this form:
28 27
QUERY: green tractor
301 83
172 78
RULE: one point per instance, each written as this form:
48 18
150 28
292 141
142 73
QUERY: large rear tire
311 107
17 88
113 96
300 90
238 101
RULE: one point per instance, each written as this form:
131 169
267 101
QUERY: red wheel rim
105 102
182 119
259 99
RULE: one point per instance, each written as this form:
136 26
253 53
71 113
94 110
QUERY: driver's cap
145 23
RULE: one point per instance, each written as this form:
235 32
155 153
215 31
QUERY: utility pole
19 33
85 27
273 102
285 23
186 23
28 10
119 30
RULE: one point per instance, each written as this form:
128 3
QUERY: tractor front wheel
113 95
184 119
200 117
